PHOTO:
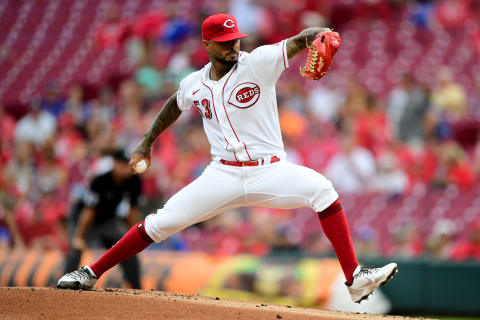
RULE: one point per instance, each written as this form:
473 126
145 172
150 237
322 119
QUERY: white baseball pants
282 185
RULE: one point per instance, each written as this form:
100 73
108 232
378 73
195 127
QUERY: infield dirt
49 303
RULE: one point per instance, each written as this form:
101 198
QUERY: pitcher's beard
225 64
222 66
230 62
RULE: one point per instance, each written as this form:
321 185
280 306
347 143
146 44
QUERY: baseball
141 166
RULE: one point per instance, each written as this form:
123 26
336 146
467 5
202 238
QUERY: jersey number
206 104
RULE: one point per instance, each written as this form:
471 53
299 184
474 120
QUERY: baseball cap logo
221 27
229 23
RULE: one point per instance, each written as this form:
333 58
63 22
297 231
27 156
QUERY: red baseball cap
221 27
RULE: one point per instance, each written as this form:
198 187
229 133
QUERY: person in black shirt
105 213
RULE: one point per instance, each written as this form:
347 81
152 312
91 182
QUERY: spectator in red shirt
418 161
41 223
371 126
469 248
7 126
454 167
114 31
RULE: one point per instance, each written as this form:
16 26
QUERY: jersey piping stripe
247 151
228 118
215 110
283 53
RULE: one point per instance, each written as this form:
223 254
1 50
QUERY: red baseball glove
320 55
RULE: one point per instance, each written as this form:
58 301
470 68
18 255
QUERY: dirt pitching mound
49 303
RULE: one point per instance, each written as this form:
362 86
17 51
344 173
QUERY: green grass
453 318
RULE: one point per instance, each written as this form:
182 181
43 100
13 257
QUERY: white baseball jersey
240 118
240 115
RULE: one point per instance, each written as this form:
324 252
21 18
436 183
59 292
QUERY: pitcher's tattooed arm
169 113
299 42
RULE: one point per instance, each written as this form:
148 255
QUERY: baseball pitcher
235 94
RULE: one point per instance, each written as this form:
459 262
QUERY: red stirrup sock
335 226
133 242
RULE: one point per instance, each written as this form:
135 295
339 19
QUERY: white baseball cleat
365 280
83 278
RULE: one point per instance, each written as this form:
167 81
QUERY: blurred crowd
413 135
